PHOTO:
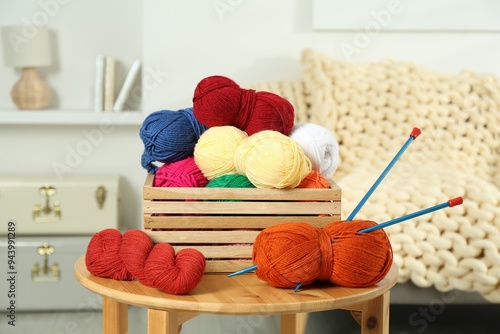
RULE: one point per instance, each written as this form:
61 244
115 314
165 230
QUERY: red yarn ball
182 173
175 274
133 255
219 101
135 248
103 257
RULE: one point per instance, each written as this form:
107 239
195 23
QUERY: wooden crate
223 223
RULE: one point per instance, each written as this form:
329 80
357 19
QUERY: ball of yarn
182 173
287 254
314 180
219 101
230 181
215 149
174 273
135 256
271 160
360 259
169 136
103 257
319 145
135 248
290 253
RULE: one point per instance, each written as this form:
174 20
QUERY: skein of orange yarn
292 253
360 259
314 180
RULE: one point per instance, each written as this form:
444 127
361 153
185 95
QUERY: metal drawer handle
38 211
100 196
47 273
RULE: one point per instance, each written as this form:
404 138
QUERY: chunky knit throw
371 108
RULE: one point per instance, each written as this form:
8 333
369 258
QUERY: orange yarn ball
292 253
360 259
314 180
287 254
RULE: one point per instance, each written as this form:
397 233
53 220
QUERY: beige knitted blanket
371 109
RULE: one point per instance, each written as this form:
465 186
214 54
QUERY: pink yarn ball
182 173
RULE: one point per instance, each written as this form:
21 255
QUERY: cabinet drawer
42 205
56 288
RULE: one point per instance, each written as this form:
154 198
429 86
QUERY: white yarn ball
319 145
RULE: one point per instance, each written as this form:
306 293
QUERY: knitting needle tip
243 271
415 133
298 287
455 201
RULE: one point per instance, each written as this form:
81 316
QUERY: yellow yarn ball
269 159
214 151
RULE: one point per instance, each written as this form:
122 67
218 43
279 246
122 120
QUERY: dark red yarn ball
135 256
135 248
103 257
219 101
174 273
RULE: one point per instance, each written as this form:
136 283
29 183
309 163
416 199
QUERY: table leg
375 315
163 322
114 317
293 323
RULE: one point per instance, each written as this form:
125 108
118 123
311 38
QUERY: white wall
258 40
182 42
80 29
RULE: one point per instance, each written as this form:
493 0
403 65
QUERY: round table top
243 294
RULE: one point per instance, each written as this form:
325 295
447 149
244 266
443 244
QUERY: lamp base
31 91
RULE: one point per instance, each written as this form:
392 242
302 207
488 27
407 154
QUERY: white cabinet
73 205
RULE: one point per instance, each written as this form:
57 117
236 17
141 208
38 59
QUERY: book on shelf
99 84
105 72
109 83
126 88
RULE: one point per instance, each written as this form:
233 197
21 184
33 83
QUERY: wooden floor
407 319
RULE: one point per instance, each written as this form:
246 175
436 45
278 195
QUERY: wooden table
239 295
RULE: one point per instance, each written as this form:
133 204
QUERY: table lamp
28 51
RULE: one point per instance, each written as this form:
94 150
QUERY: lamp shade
23 48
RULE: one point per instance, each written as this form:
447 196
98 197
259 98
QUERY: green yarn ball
230 181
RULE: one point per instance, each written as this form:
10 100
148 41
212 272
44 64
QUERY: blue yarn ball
169 136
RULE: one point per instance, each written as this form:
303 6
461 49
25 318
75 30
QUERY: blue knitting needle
450 203
413 135
243 271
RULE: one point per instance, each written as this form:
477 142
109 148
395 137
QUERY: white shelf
66 117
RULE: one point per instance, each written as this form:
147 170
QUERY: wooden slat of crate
223 252
226 266
246 207
189 221
204 237
223 223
